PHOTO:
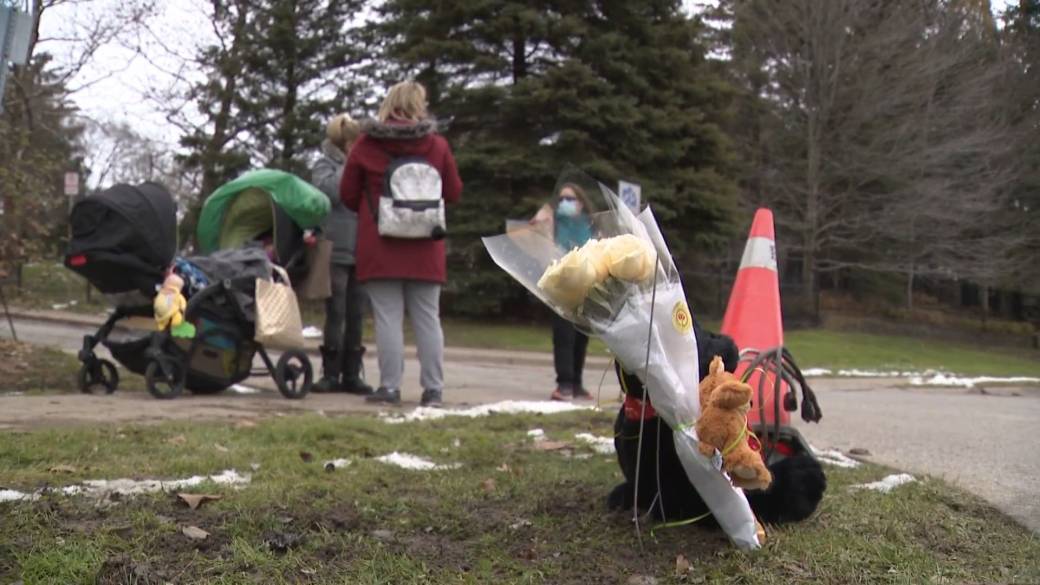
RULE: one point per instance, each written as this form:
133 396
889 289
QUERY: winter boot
330 368
351 368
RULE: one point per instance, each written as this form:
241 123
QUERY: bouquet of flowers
623 287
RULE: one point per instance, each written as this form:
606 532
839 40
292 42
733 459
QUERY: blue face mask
567 208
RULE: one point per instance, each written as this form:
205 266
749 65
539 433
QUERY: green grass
510 514
49 284
32 369
842 349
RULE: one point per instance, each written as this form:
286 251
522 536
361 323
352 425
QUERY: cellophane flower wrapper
627 317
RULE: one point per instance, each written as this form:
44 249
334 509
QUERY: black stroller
123 240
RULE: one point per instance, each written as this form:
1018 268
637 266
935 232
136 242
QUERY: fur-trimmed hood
397 130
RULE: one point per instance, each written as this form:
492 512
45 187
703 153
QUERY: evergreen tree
278 71
617 89
296 75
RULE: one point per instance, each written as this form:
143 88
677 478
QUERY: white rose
595 252
630 258
568 281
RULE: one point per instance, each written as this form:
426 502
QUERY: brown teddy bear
725 401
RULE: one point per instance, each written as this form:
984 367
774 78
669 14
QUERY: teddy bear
169 305
722 426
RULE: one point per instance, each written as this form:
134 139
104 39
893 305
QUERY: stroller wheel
294 374
164 378
98 372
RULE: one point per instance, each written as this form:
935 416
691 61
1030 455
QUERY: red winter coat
379 257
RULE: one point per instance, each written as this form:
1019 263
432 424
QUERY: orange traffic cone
754 321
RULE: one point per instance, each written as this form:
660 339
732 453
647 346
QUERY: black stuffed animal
798 479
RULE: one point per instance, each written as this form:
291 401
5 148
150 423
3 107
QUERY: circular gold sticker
681 319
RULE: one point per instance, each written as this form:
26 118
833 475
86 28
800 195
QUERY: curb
451 353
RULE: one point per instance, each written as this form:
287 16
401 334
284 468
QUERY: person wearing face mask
567 219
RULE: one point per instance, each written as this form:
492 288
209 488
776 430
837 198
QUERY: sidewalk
451 353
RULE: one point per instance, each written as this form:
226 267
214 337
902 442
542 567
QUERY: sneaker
583 394
431 398
560 394
385 395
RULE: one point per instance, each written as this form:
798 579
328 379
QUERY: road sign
631 194
72 184
15 32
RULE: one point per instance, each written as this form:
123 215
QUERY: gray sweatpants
390 298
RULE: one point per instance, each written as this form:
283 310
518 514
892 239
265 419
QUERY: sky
115 84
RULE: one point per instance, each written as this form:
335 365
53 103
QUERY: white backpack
411 206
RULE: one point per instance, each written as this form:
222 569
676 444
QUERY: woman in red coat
401 273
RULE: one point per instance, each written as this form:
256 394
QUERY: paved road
986 443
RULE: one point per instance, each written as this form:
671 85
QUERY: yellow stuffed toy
169 303
722 427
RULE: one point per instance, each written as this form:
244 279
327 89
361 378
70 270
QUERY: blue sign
631 194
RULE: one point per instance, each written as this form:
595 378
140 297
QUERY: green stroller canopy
244 208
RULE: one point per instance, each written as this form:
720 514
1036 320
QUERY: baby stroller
123 241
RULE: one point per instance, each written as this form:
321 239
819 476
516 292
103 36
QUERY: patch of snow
504 407
129 487
415 462
856 373
942 379
60 306
336 464
836 458
536 434
15 495
312 332
926 378
604 445
888 483
103 488
242 389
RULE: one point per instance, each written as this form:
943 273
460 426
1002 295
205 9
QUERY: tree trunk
519 57
984 301
812 204
910 288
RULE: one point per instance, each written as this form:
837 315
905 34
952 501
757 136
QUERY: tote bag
278 322
317 284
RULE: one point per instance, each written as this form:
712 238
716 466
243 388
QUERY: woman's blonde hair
342 131
405 101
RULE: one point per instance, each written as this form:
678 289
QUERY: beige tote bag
278 322
317 285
